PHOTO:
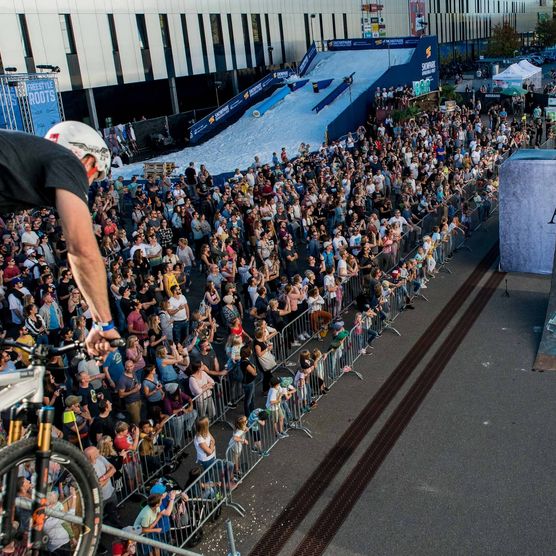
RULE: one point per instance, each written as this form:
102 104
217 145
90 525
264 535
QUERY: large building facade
129 58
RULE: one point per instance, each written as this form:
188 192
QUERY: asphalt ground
470 474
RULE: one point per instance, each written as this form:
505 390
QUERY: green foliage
504 41
404 114
449 91
546 32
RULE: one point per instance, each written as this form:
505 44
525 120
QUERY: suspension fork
45 419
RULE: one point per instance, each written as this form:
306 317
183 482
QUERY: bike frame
28 385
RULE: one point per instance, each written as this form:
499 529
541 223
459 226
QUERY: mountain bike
59 473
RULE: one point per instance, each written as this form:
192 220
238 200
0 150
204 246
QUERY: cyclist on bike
57 171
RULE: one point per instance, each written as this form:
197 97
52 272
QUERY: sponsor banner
421 87
239 103
12 107
43 104
307 59
370 44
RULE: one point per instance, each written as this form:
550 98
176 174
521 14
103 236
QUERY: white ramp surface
292 121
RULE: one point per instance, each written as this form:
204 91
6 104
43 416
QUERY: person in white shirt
58 537
399 219
138 238
179 311
104 471
273 405
339 242
29 238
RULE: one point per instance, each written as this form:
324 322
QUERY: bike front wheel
74 490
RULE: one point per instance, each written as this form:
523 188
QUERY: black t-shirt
248 378
32 168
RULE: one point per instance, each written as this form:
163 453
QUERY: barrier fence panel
203 500
129 481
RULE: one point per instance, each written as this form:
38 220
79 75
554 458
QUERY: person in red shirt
11 272
135 322
109 227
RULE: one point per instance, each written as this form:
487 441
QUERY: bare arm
87 265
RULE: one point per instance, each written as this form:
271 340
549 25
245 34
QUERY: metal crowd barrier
129 481
203 499
198 503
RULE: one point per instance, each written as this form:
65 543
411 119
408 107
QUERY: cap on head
82 140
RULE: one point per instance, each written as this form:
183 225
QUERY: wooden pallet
158 169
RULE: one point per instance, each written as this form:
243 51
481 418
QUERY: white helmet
82 140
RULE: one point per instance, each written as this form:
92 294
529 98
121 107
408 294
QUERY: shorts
277 414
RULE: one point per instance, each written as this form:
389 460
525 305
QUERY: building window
203 42
258 40
216 30
218 42
142 32
113 36
25 40
282 42
188 59
67 33
256 24
346 33
115 49
167 45
232 41
334 26
307 31
246 41
164 31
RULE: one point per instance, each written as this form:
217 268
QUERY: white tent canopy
529 67
521 74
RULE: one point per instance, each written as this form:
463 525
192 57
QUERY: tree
504 41
546 32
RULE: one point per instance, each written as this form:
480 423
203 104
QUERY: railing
203 499
200 502
288 342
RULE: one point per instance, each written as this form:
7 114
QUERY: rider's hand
98 342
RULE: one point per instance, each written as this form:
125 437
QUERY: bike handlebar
52 350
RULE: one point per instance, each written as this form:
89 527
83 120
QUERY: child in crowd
257 418
238 440
274 406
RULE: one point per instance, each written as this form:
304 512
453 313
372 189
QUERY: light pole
217 85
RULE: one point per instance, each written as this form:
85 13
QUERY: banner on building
43 104
371 44
417 20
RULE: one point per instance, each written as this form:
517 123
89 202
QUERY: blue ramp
323 83
272 101
298 84
330 98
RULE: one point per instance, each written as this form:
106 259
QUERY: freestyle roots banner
43 104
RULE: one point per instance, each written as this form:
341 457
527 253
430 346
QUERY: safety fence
297 333
203 499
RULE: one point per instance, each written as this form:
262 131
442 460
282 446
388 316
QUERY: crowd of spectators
270 243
